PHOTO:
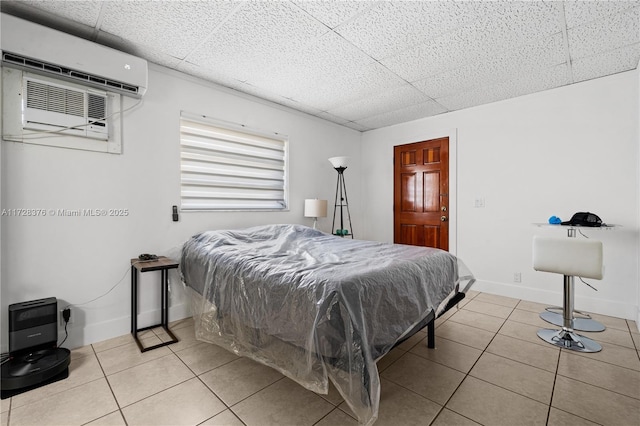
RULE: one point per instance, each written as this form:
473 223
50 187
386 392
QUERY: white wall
551 153
79 258
638 179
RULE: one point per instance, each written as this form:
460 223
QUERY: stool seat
569 257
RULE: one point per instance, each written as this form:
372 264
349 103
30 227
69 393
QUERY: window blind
230 168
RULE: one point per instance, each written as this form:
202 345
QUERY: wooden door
421 193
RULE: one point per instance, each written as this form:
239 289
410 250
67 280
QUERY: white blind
226 168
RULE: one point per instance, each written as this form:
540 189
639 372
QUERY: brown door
421 194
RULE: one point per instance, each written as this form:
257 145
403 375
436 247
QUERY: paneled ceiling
365 64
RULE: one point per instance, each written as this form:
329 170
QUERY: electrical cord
584 282
109 291
66 333
66 312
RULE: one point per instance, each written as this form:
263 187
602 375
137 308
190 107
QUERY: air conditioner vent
55 99
97 110
55 107
34 64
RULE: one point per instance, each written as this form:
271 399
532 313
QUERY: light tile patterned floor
489 368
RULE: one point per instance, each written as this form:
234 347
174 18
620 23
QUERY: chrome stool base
581 324
567 339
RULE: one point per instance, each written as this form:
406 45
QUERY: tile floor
489 368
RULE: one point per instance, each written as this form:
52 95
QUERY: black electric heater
34 358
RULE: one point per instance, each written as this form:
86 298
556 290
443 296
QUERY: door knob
443 208
443 218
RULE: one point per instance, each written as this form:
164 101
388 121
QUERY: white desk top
550 225
571 229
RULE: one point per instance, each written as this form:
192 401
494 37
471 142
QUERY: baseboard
84 335
554 298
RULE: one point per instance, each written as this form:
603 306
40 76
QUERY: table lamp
315 208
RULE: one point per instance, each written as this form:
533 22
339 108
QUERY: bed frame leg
431 334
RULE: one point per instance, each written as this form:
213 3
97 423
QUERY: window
229 167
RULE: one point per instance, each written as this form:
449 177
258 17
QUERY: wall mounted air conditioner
60 108
40 49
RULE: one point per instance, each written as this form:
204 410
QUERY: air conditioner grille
97 107
94 80
55 99
50 106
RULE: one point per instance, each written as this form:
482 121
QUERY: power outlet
517 277
62 318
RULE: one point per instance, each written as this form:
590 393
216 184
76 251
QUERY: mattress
314 306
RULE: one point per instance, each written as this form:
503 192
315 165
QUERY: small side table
162 264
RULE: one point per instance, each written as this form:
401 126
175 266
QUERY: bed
314 306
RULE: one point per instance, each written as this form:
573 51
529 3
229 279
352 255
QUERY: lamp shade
338 162
315 208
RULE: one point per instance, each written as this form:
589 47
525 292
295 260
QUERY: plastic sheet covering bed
314 306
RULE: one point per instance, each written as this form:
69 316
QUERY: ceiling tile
296 105
612 62
544 80
509 25
169 26
330 117
332 16
413 112
146 52
355 126
365 81
543 53
85 12
258 36
379 103
77 18
443 53
328 72
313 66
518 24
220 78
616 31
287 102
362 82
392 26
582 12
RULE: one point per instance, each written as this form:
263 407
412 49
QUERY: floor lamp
342 201
315 208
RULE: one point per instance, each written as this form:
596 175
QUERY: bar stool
581 320
571 258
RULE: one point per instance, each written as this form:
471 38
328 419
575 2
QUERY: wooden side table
162 264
